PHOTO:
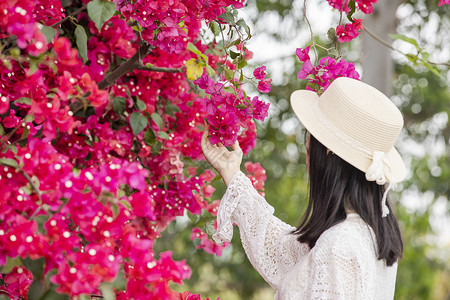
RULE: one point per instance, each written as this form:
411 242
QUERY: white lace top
342 265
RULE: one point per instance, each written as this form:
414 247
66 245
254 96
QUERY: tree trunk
377 64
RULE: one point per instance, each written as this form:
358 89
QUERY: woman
348 242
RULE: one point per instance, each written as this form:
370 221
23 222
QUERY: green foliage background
423 97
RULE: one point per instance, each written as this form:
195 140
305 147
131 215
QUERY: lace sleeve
267 241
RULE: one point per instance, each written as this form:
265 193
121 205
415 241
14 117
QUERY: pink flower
260 73
307 68
260 109
18 282
349 31
339 4
205 243
442 2
257 175
264 85
302 54
366 5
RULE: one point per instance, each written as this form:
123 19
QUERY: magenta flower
442 2
349 31
264 85
260 109
302 54
260 73
307 69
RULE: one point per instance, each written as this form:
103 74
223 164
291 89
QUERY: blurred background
422 200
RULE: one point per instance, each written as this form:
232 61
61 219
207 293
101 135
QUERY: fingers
236 146
205 141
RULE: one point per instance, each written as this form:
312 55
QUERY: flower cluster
229 111
366 6
320 77
349 31
257 175
264 83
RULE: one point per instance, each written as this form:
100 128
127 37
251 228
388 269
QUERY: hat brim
304 103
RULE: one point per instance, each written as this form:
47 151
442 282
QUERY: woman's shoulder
352 235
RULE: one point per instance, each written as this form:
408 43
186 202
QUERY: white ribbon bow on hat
380 171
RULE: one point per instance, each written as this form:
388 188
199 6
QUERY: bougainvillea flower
260 73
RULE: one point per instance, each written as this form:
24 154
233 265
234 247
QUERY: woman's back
342 265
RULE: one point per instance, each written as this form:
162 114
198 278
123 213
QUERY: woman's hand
227 163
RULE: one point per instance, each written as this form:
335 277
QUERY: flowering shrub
102 107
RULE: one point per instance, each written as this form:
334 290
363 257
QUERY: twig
35 188
71 15
161 69
133 63
383 42
310 30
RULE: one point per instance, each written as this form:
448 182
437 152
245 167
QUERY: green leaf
119 104
140 104
412 58
29 118
313 86
163 135
431 68
242 64
210 71
215 28
425 56
36 290
49 33
227 17
404 38
352 6
100 11
332 35
234 43
10 264
25 133
156 148
170 108
229 75
81 37
191 47
138 122
23 100
34 66
157 119
233 54
241 22
35 266
9 162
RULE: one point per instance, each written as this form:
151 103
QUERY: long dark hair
335 184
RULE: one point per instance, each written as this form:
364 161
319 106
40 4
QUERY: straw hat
356 122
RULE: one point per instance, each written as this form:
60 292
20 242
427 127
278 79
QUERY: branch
35 188
133 63
310 30
161 69
383 42
71 15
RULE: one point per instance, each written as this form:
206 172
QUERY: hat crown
362 112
